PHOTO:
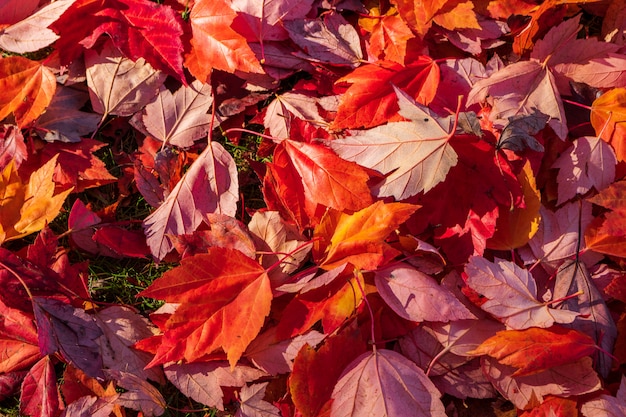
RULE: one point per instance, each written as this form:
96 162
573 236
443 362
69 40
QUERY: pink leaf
121 328
12 146
91 406
40 397
416 296
178 119
209 186
32 34
202 382
272 234
265 17
140 395
281 111
277 356
529 391
332 40
590 163
520 89
413 156
606 405
384 383
252 403
558 236
118 85
63 119
512 294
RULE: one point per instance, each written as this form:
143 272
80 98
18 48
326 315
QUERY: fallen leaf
607 405
511 294
595 319
529 391
210 185
386 384
311 389
514 228
358 238
331 39
215 44
608 114
202 382
70 331
178 119
31 33
534 350
39 396
142 29
589 164
19 347
416 296
412 156
118 85
230 319
139 395
607 235
26 89
371 100
252 404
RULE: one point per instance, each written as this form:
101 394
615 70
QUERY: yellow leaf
515 228
358 238
40 205
11 200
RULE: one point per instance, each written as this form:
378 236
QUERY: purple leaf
70 331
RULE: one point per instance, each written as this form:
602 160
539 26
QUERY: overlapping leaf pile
444 210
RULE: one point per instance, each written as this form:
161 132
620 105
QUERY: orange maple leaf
215 44
26 89
223 304
359 238
608 118
27 208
